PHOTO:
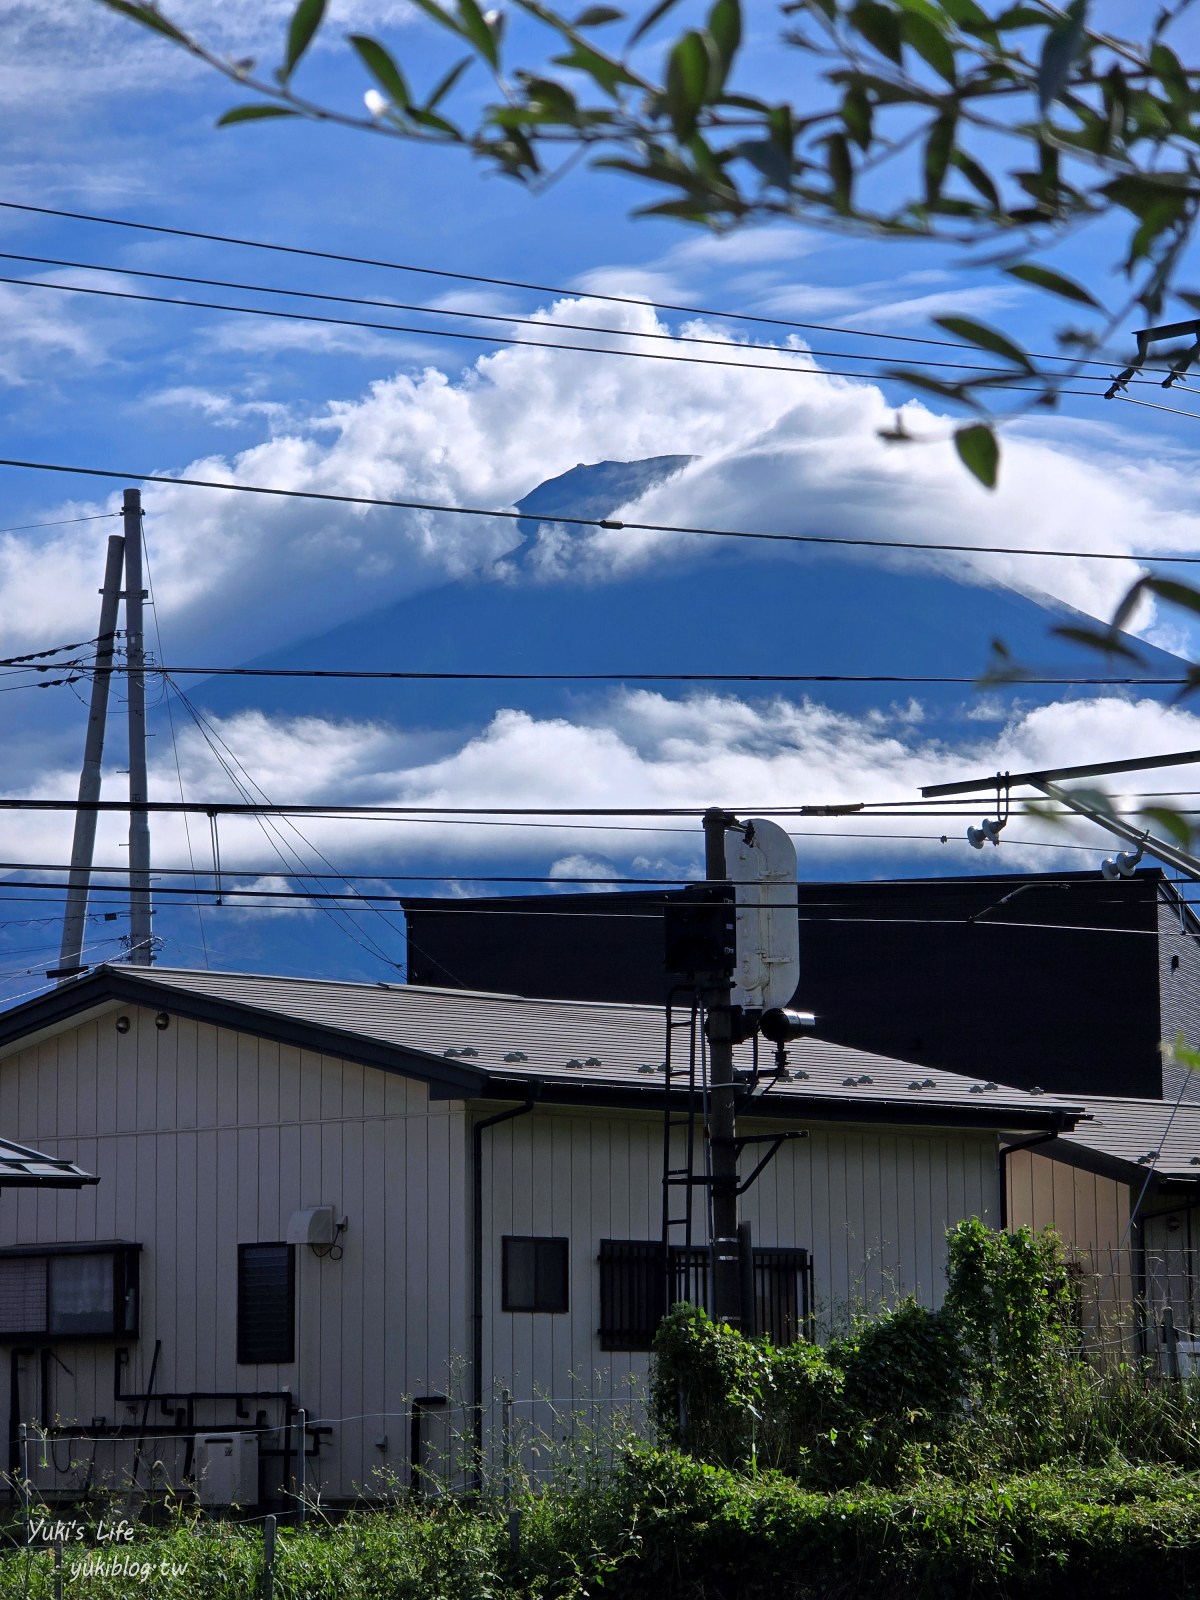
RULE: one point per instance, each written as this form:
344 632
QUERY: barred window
638 1280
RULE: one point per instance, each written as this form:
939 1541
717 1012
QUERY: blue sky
100 117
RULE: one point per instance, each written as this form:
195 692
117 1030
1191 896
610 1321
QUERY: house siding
1091 1213
205 1138
871 1207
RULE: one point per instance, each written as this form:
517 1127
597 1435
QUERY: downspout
477 1132
1005 1151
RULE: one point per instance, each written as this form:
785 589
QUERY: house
1123 1186
1065 981
349 1215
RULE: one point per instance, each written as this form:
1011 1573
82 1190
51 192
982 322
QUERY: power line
61 522
513 319
607 523
335 812
370 674
492 282
510 318
539 344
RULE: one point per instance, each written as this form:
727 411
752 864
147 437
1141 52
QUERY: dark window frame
126 1291
542 1303
634 1276
249 1353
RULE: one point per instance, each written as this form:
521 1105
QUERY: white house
347 1212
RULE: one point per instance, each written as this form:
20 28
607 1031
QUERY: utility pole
70 956
727 1278
141 949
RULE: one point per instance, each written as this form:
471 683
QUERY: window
533 1274
266 1325
636 1276
74 1291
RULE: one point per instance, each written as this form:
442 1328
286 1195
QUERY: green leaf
149 17
1105 640
432 9
880 27
976 176
477 31
857 116
725 30
306 19
978 333
929 41
382 67
687 83
841 171
255 113
938 149
1062 45
979 452
1174 592
1171 823
597 16
447 83
1054 282
651 17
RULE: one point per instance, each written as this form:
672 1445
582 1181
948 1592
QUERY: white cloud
637 748
780 452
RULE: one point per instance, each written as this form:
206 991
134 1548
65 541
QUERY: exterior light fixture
122 1024
162 1020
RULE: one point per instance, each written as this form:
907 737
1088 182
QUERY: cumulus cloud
780 452
633 748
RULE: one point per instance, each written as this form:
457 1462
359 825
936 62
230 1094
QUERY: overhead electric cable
332 811
510 318
371 674
538 344
61 522
473 277
607 523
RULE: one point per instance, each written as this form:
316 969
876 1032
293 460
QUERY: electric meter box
226 1468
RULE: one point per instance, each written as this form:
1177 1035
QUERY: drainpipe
477 1269
1005 1151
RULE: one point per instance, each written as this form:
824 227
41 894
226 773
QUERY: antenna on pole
141 947
70 956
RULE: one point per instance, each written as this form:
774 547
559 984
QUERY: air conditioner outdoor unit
226 1468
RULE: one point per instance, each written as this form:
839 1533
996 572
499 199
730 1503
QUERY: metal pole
727 1284
141 951
513 1515
303 1415
23 1436
268 1583
70 956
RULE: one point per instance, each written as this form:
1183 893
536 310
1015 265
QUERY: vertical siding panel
181 1361
66 1070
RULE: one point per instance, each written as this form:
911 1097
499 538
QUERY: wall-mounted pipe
477 1133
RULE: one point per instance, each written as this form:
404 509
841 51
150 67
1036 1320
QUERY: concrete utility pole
727 1278
141 948
70 956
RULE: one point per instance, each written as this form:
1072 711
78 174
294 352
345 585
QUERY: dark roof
30 1169
1130 1138
481 1045
1060 980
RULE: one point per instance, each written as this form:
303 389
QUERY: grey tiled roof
580 1046
25 1169
1149 1135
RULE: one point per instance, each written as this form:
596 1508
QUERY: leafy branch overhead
948 119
